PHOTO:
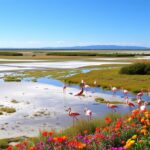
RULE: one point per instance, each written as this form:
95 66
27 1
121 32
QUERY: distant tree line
10 54
91 54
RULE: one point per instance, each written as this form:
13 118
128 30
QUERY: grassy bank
108 77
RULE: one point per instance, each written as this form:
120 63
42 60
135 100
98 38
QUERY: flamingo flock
88 113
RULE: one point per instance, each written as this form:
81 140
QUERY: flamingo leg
73 121
76 118
90 117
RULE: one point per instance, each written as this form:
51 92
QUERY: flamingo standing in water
73 114
88 113
84 85
112 106
80 92
139 102
130 104
140 94
125 92
143 107
113 89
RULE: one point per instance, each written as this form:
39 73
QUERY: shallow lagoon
42 104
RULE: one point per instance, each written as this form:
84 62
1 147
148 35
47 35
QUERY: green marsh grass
107 77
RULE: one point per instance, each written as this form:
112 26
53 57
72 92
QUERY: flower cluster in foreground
126 133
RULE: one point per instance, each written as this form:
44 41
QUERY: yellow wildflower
134 137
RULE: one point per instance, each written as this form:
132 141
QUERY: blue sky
44 23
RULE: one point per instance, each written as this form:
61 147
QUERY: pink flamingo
80 92
140 94
88 113
130 104
143 107
86 86
113 89
112 106
82 83
73 114
125 92
139 102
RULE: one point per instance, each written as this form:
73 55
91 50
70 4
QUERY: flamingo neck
69 111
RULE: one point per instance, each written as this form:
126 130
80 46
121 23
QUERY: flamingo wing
80 93
114 106
74 114
131 105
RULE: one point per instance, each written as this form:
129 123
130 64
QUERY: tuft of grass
101 100
14 101
7 109
4 143
34 80
12 78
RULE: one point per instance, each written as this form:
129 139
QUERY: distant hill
100 47
89 47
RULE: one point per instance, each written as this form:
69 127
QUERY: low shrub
10 54
137 68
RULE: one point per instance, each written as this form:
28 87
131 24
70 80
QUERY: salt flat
56 65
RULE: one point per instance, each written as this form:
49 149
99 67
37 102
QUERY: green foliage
137 68
90 54
10 54
5 142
